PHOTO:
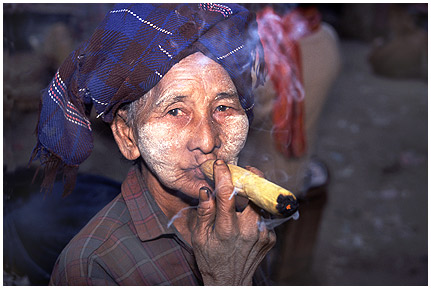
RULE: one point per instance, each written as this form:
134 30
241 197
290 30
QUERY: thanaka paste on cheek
235 138
160 146
165 140
157 147
235 127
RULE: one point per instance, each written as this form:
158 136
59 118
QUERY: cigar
265 194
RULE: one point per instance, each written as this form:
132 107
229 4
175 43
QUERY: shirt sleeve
76 275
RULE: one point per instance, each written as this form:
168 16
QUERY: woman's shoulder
101 234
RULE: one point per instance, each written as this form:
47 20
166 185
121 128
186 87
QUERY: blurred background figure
390 56
303 60
363 70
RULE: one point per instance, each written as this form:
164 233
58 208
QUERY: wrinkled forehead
199 68
192 72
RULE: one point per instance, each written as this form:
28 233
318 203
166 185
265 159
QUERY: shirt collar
148 218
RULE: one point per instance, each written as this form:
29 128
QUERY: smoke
179 214
270 224
263 223
234 193
278 175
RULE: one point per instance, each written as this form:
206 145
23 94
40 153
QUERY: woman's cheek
157 145
235 131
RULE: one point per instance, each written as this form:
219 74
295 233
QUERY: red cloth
280 36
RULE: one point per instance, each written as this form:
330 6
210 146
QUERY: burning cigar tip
287 205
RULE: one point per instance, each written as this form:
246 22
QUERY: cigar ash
287 205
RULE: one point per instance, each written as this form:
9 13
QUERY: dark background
372 135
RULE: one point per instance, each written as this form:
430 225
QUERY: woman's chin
189 187
192 190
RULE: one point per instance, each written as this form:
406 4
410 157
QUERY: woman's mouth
197 173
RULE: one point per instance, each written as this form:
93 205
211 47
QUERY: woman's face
192 115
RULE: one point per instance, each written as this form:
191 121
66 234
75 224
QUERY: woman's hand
228 245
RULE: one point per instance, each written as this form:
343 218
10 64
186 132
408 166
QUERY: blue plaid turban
130 51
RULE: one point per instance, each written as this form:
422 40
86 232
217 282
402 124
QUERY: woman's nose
205 136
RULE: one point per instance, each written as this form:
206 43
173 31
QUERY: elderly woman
174 82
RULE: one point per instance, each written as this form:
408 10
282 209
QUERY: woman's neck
171 203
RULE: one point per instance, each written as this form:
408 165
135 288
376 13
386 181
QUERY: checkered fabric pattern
129 242
130 51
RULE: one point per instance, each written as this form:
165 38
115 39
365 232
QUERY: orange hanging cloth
280 36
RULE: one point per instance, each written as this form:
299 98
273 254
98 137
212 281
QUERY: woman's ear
123 135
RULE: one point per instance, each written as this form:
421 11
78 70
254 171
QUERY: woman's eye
222 108
174 112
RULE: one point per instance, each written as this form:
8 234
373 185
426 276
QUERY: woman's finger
206 210
255 171
249 220
224 191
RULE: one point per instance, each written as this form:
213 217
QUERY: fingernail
219 162
204 194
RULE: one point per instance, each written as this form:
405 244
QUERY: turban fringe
280 36
128 54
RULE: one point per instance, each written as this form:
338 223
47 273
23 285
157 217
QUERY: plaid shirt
129 243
